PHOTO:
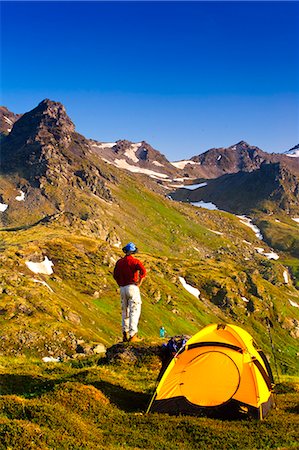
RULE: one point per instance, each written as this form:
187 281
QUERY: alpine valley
68 204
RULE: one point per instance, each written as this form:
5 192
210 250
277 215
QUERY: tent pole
151 402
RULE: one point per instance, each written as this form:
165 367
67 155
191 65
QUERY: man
129 273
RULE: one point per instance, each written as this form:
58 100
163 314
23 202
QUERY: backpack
169 350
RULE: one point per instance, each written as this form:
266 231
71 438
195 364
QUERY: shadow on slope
26 385
125 399
35 386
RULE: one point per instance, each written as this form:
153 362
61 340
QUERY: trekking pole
268 323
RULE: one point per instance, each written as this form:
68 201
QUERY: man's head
130 248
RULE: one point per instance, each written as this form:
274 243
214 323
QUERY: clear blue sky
184 76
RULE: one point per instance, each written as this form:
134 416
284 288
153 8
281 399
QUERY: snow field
192 290
44 267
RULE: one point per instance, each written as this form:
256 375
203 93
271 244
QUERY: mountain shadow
272 186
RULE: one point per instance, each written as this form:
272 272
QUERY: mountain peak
49 102
242 144
54 114
40 132
50 105
48 117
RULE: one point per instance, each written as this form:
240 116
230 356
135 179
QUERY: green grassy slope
212 250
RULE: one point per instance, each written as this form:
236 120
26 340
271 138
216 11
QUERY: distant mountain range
239 157
143 158
239 178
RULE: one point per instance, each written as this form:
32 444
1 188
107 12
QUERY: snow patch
270 255
183 179
156 163
7 120
9 130
286 276
131 152
192 290
3 207
245 299
247 221
104 145
50 359
44 267
216 232
158 177
206 205
219 157
122 164
296 219
192 187
293 154
183 164
293 304
42 282
21 197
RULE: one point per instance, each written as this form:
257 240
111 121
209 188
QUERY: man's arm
140 282
142 272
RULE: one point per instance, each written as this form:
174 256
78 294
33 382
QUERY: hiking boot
125 336
135 338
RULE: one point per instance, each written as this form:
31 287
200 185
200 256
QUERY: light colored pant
131 308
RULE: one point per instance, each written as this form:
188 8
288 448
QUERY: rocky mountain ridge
50 164
138 157
240 157
143 158
7 119
43 149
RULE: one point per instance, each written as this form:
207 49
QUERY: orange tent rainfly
220 373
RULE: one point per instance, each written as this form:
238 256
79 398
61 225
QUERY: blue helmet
130 247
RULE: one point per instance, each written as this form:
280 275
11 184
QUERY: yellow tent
220 373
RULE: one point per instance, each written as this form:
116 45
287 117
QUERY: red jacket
128 270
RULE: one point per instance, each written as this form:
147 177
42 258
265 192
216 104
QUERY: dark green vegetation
271 188
96 404
280 232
